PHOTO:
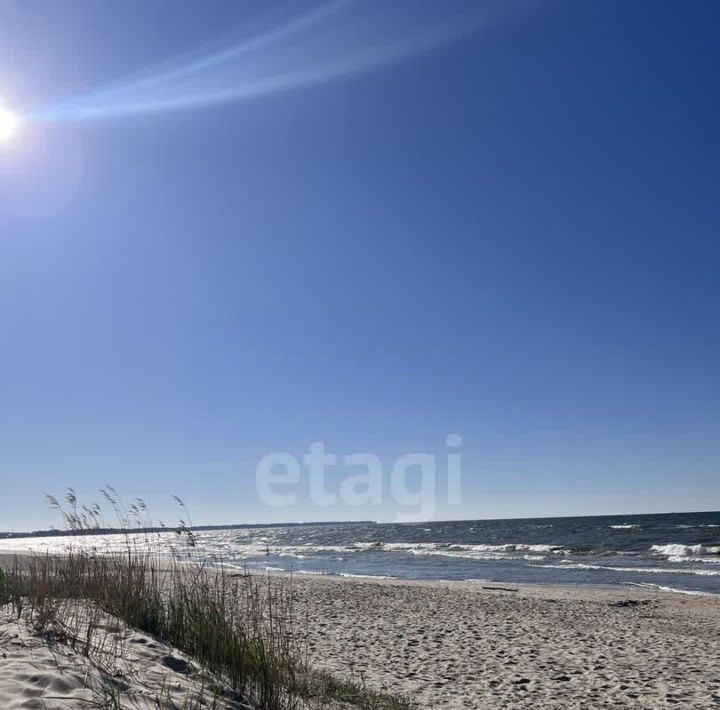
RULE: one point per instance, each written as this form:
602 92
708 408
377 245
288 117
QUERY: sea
675 552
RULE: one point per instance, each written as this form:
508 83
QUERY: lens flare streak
333 40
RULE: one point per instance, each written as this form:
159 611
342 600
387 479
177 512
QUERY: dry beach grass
239 632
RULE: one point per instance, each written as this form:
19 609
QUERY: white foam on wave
509 547
624 527
442 549
219 546
365 576
677 550
681 559
661 588
639 570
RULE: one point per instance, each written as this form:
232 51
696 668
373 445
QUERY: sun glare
8 125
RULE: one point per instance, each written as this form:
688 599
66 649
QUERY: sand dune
124 669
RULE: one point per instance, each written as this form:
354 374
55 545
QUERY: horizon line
58 532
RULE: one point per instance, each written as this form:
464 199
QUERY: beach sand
456 645
444 644
125 669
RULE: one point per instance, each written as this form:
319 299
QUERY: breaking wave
636 570
685 551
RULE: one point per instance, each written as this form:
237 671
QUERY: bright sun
8 125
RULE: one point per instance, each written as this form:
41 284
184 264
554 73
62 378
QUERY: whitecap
677 550
633 570
661 588
365 576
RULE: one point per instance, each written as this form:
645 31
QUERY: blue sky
509 233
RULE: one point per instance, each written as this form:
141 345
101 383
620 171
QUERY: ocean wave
365 576
677 550
681 559
471 552
508 547
507 551
637 570
219 547
662 588
624 527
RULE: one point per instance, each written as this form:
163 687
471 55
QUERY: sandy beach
441 644
456 645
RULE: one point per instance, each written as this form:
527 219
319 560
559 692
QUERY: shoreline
626 588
